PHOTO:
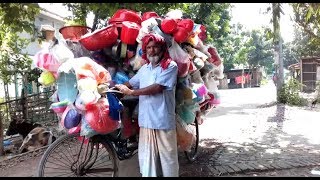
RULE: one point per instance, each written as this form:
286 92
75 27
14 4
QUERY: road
247 135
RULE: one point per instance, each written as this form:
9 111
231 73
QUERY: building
307 72
44 18
250 78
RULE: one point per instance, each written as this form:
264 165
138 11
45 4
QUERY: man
155 84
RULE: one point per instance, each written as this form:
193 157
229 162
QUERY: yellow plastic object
46 78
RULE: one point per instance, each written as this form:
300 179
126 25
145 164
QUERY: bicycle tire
192 154
59 156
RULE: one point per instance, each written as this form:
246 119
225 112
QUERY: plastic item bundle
85 129
46 61
67 87
59 107
181 58
46 78
185 135
187 112
97 116
115 106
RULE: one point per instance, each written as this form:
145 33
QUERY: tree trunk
1 136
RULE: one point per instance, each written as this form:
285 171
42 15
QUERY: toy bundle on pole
84 62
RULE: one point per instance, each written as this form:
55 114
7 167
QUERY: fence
34 108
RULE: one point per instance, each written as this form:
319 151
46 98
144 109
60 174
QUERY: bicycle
99 155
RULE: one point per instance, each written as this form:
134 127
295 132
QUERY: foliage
15 18
307 16
103 11
289 93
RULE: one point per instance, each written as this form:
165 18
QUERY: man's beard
153 59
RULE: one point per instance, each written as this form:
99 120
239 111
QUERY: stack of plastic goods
84 62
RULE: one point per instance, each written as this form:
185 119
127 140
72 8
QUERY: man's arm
152 89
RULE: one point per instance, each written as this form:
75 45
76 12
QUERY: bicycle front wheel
193 152
69 157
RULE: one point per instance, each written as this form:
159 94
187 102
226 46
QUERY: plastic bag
196 77
136 62
186 135
180 57
187 112
71 117
85 129
61 53
67 87
46 61
115 106
97 116
46 78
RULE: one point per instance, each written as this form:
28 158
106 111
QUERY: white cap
46 28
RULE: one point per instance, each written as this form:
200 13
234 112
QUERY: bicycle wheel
69 156
192 153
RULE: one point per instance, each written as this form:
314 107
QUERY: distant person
274 79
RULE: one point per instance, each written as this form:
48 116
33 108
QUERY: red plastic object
129 32
169 26
125 15
97 116
100 39
187 24
149 14
180 35
73 33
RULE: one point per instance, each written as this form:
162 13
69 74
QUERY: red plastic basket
74 33
100 39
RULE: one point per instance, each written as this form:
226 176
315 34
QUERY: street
247 135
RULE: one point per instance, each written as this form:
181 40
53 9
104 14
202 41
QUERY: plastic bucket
129 32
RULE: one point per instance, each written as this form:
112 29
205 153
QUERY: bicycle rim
192 153
63 158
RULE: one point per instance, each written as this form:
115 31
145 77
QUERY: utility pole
279 65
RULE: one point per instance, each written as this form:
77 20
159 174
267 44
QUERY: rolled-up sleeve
168 77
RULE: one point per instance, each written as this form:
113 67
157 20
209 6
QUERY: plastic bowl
100 39
125 15
74 33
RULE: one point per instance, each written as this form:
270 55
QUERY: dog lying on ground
37 138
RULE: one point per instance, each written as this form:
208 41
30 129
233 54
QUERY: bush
289 93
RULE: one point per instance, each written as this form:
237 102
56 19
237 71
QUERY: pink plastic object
202 90
129 32
75 129
100 39
169 26
183 68
46 60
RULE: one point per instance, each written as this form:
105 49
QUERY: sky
249 14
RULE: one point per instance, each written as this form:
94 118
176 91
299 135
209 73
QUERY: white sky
252 17
248 14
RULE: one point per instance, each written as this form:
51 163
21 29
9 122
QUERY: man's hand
124 89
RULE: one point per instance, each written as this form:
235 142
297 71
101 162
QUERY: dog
314 103
37 138
22 128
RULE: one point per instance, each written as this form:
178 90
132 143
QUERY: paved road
247 135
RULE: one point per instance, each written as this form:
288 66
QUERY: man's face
153 52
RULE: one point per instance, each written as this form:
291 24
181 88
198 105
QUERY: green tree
103 11
307 16
15 18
